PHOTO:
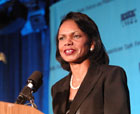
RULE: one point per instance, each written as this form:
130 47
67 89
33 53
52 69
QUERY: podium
10 108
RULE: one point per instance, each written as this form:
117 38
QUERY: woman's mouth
69 51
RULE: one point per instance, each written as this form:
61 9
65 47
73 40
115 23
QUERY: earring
91 49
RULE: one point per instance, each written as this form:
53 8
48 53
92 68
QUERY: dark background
25 43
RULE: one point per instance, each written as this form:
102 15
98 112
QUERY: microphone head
36 80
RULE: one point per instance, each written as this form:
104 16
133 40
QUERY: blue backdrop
24 55
118 22
25 42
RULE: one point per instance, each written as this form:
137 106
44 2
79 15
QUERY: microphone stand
33 83
26 95
33 103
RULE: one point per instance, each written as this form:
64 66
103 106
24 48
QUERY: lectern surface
10 108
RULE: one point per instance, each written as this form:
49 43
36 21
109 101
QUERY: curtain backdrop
24 55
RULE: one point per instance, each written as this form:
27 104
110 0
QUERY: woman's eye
60 38
77 36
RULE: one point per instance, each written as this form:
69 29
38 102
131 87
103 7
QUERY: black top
68 106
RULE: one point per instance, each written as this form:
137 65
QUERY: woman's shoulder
112 72
110 68
60 82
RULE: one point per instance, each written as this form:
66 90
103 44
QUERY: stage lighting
35 23
13 16
2 2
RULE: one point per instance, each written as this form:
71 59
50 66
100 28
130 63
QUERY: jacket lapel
64 94
87 85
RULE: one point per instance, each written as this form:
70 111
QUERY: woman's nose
68 42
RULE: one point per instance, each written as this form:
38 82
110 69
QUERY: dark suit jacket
103 91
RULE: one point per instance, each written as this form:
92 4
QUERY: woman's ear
92 46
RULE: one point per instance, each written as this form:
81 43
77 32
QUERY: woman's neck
79 70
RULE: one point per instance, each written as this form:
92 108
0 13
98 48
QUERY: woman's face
73 44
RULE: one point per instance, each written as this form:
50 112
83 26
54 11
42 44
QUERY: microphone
33 84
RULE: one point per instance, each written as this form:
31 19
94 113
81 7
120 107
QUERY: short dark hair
88 26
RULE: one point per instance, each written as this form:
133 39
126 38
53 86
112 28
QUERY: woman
92 86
